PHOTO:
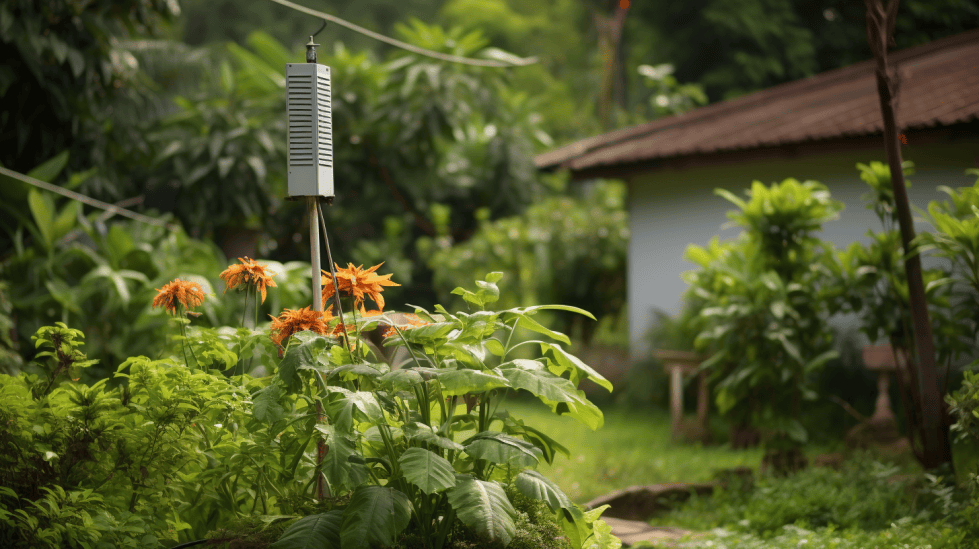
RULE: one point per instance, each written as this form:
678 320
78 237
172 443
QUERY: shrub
765 304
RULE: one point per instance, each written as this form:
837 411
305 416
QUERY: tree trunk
936 447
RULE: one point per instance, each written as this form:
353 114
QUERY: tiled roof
939 86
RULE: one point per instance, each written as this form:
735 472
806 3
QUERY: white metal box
310 130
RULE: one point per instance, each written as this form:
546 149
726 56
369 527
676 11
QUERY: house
817 128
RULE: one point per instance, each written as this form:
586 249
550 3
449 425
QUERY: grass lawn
632 448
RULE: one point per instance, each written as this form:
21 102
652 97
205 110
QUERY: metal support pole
314 251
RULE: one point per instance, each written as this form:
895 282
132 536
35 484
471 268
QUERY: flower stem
245 308
255 324
183 342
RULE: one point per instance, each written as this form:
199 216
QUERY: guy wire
333 272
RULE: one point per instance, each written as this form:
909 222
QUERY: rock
645 501
632 532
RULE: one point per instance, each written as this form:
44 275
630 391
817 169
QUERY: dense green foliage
66 83
65 266
172 449
765 306
579 241
733 47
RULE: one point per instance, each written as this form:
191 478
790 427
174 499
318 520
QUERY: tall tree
936 447
66 82
733 47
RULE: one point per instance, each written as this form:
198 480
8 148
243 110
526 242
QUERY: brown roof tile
939 85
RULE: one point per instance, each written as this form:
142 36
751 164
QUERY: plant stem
255 324
244 309
357 331
183 342
183 329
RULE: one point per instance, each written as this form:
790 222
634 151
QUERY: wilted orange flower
405 321
291 321
179 293
249 273
358 282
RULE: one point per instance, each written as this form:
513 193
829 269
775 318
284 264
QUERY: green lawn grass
632 448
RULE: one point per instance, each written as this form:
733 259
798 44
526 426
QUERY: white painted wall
670 209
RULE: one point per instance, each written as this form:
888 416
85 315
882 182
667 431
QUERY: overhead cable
404 45
84 199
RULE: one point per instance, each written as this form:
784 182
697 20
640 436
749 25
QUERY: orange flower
249 273
291 321
179 293
359 283
405 321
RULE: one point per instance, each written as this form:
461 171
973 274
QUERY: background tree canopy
179 109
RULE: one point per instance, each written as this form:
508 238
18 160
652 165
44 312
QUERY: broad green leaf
584 411
66 220
469 297
423 434
399 380
353 406
427 470
484 507
429 332
265 404
300 355
460 382
532 376
534 485
488 292
547 445
494 346
42 208
363 369
531 324
570 363
533 309
49 169
602 537
313 532
337 465
374 516
732 198
502 449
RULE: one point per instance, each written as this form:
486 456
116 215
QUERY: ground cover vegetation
867 503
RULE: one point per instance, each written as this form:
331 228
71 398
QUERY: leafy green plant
97 466
419 448
873 283
765 306
956 238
